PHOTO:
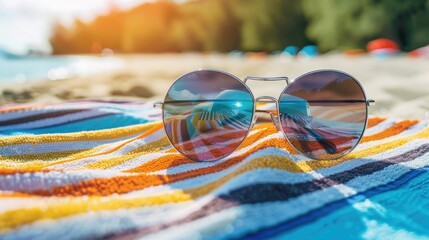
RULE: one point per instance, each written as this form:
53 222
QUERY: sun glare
29 23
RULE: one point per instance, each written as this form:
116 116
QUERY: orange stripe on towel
374 121
393 130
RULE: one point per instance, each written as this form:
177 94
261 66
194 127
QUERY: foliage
351 24
248 25
206 25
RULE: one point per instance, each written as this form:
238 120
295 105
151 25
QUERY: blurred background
56 50
133 26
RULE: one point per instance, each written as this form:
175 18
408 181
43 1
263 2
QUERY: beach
399 84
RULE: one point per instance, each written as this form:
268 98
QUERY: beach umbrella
309 51
290 51
382 47
381 43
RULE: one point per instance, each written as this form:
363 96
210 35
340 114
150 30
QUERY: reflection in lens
323 114
207 114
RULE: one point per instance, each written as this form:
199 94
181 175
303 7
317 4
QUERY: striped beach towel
97 169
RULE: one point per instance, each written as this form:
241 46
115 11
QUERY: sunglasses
208 113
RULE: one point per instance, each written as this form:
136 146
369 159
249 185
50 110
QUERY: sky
26 24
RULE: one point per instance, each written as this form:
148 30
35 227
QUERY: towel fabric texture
98 169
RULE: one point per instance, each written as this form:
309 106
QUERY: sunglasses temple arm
370 102
158 105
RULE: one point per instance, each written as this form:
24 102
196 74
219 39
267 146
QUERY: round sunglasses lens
323 114
207 114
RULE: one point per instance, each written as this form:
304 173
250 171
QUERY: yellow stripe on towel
105 134
70 206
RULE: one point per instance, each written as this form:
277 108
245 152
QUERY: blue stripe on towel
99 123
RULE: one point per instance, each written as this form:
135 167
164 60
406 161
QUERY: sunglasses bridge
256 78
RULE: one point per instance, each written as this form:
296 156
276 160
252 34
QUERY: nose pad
275 120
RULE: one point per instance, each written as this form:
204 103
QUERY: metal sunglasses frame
270 99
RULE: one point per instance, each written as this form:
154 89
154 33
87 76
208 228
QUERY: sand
400 85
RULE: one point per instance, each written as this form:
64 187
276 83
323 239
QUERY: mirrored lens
207 114
323 114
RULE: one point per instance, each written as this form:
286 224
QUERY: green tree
404 21
270 26
351 24
342 24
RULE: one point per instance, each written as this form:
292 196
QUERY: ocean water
22 69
